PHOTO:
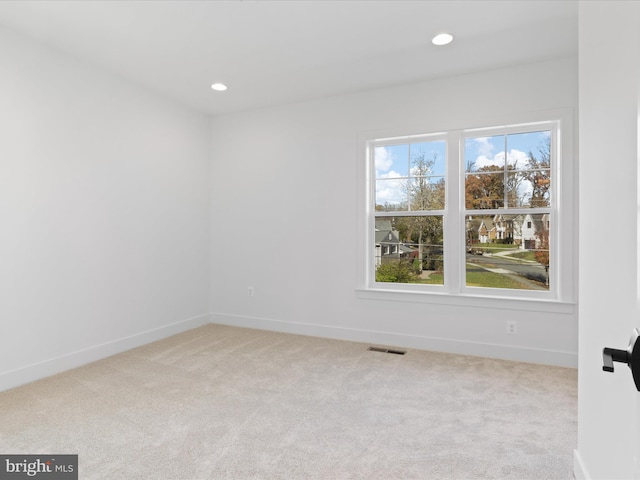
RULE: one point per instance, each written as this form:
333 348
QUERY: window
507 196
409 210
466 212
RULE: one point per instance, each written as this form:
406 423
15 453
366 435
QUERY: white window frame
563 254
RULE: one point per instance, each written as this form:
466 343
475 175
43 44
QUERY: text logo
45 467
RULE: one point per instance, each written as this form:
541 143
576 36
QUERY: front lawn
479 277
523 255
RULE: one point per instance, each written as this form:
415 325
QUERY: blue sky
484 151
395 160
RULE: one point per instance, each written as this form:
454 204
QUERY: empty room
319 239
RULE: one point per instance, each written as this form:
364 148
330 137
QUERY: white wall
104 213
608 405
284 217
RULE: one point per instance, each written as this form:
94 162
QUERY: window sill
468 300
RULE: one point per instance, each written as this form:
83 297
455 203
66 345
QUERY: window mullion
505 179
453 247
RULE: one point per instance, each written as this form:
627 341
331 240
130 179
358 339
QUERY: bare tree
539 174
425 193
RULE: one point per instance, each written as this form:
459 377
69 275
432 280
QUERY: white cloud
390 191
383 159
484 146
518 159
515 158
484 161
391 174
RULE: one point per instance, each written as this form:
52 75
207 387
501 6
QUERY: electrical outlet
512 327
250 291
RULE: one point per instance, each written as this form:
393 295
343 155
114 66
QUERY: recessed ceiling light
442 39
219 87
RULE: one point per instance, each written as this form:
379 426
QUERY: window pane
391 194
409 249
528 188
507 251
484 190
427 193
392 161
483 152
392 171
428 158
529 150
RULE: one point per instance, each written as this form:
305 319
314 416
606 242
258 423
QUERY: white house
533 228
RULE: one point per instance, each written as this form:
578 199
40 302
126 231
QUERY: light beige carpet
221 402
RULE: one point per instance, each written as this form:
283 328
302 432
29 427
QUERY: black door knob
630 356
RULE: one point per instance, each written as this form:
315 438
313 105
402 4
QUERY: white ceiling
275 52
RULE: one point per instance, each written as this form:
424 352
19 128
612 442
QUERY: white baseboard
76 359
504 352
579 469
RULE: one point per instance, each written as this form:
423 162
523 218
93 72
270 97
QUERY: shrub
417 266
395 271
